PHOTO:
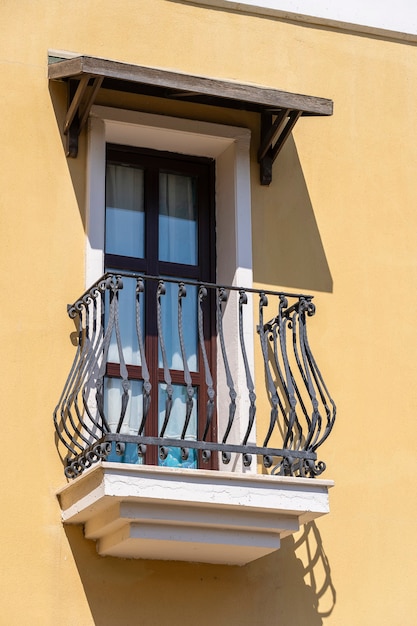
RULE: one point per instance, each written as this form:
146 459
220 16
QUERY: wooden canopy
279 110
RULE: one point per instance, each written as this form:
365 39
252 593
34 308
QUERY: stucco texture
339 220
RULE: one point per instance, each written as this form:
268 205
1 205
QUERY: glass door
160 223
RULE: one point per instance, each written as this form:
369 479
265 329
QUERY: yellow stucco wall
339 220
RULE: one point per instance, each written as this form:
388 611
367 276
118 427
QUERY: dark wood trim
124 263
115 150
195 88
135 373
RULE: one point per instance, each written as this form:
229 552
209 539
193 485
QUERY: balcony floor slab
140 511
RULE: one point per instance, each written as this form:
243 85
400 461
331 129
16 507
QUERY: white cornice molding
384 19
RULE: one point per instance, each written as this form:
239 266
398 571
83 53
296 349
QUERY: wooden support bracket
80 100
274 133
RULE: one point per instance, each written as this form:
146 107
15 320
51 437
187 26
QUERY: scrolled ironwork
226 457
301 415
263 329
120 448
221 300
202 294
247 459
182 293
147 387
243 300
142 447
206 456
161 291
163 453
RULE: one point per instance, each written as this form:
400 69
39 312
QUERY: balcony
175 451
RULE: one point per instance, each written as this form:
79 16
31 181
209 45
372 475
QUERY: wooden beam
218 90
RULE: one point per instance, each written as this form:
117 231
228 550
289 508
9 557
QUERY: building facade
268 156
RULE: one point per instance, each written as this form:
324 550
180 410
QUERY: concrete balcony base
141 511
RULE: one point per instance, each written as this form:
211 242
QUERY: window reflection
177 219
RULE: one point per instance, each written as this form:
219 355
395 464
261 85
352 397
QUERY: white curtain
125 216
177 219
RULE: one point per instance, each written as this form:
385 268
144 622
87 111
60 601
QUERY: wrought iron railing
294 410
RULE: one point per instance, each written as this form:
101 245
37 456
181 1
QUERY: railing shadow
295 582
317 563
291 587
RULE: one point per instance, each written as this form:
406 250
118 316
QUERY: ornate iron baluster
222 297
71 402
282 323
296 441
274 399
304 367
161 290
115 285
82 430
90 368
104 352
293 317
274 337
123 369
287 466
88 373
182 293
62 403
331 414
140 288
313 469
202 293
243 299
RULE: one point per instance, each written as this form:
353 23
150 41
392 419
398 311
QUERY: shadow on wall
287 246
278 590
76 167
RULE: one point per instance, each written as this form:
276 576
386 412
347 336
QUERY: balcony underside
139 511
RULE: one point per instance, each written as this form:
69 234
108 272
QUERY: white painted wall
369 15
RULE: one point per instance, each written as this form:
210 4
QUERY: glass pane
127 324
125 218
169 305
112 406
176 424
177 219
